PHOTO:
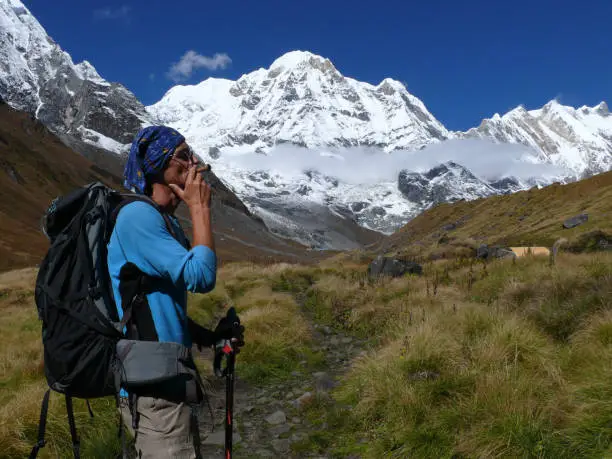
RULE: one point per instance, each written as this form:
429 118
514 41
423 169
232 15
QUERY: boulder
575 221
387 266
276 418
503 253
488 253
482 251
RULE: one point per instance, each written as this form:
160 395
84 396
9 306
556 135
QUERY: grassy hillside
507 359
35 167
534 217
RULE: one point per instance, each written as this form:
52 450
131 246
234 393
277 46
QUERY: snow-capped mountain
300 99
444 183
37 76
577 139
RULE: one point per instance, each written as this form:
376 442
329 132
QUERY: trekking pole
225 349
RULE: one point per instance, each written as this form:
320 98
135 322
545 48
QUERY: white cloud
122 12
192 61
485 159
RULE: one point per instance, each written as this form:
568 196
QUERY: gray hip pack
159 369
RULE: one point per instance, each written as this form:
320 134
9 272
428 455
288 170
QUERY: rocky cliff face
579 140
37 76
444 183
302 101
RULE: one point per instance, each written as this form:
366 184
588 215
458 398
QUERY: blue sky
464 59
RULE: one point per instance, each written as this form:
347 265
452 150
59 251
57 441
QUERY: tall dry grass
22 385
278 337
505 359
515 363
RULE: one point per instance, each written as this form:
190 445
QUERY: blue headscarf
148 155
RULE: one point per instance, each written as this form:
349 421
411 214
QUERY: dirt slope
36 166
528 218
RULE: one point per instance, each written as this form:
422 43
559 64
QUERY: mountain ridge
36 166
558 132
300 101
315 102
38 76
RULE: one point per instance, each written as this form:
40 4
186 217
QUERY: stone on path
280 429
217 438
323 381
247 409
299 436
281 445
278 417
303 400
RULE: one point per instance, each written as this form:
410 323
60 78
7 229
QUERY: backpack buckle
95 292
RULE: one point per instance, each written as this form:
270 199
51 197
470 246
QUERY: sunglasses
184 155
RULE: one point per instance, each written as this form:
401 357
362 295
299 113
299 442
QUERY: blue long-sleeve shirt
140 236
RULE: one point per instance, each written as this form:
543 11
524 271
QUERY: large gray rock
446 182
387 266
575 221
217 438
487 253
482 251
278 417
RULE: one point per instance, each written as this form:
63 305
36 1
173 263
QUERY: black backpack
86 353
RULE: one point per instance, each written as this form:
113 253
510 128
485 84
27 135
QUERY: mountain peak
602 108
389 86
574 139
519 111
301 59
88 72
293 58
552 106
303 100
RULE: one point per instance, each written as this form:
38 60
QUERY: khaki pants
165 428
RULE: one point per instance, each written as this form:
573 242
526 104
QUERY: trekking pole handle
233 317
224 347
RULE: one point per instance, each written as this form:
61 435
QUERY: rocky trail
268 418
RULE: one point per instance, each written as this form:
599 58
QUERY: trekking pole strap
121 432
76 446
195 431
91 414
229 405
42 424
